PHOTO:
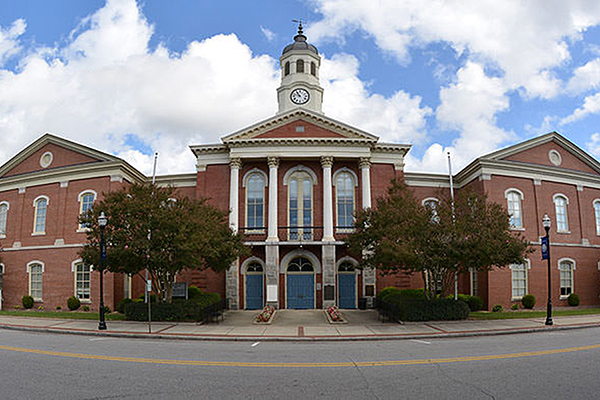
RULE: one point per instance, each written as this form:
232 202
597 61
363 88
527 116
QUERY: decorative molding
255 171
299 168
326 161
364 162
64 184
235 163
273 162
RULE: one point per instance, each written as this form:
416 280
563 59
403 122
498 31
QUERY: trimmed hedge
528 301
475 303
178 310
411 309
573 300
27 301
73 303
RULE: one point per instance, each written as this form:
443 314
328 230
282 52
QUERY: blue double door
254 292
300 291
347 290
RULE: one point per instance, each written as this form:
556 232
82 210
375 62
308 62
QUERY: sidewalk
294 325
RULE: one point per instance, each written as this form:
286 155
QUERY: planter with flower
334 316
266 316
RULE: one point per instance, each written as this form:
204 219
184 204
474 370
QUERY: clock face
299 96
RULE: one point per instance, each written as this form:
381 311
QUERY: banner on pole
545 248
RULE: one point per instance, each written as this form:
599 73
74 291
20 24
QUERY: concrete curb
161 336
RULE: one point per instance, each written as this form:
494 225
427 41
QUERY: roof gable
50 152
550 150
285 126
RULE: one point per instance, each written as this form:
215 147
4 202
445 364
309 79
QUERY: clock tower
300 87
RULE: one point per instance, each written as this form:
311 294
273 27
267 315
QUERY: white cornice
179 180
426 180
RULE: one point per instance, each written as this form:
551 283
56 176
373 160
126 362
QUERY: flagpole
148 283
452 199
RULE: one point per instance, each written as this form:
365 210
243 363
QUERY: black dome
300 43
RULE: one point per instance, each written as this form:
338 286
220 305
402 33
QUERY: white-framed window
255 183
519 280
514 198
345 181
597 215
300 205
40 205
560 204
82 274
35 269
474 279
86 201
567 268
3 218
431 204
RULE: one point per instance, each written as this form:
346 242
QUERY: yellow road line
201 363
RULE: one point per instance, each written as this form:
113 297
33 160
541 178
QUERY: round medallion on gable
46 159
555 157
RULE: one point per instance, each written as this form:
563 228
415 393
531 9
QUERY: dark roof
300 43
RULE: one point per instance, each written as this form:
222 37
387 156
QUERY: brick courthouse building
292 184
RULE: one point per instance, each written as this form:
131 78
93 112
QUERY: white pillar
234 177
273 191
327 163
365 169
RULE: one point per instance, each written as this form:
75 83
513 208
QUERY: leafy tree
399 234
152 227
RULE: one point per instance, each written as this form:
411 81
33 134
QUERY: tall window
313 68
3 218
474 278
300 66
286 69
255 201
596 214
514 199
41 206
344 188
86 201
562 221
431 204
566 277
300 206
82 281
519 280
35 281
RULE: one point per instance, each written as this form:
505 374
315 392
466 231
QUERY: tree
152 227
399 234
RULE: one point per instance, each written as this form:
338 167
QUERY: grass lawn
532 314
62 314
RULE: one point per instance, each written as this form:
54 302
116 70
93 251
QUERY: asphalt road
550 365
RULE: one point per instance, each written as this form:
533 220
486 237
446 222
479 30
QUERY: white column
234 206
273 191
365 169
327 163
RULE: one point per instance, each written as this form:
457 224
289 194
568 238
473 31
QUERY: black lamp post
102 221
546 223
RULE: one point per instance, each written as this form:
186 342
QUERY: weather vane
299 22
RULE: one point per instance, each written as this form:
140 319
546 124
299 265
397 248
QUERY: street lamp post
102 221
546 224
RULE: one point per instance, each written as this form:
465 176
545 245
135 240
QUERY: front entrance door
254 287
300 284
346 286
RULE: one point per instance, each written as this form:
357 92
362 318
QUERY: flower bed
334 316
266 316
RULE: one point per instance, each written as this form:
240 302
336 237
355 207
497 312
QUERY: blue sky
131 78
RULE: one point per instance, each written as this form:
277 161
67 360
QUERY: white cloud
585 77
269 34
399 118
9 44
591 105
593 145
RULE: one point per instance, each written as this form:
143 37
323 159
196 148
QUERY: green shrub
194 292
475 303
85 308
122 303
179 310
514 306
152 297
73 303
573 299
414 309
498 308
528 301
27 301
58 308
107 310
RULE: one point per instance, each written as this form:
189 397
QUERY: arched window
82 280
514 198
596 214
431 204
286 69
313 68
86 201
346 267
3 218
344 189
35 270
39 220
300 264
255 201
300 66
254 267
566 268
300 206
560 205
519 280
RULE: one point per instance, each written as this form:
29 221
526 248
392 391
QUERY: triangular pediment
300 124
550 150
50 152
